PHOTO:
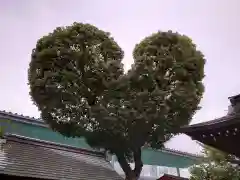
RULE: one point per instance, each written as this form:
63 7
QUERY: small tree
219 166
77 81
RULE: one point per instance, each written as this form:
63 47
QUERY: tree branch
124 165
138 162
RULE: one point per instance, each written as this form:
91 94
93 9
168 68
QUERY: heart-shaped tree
77 80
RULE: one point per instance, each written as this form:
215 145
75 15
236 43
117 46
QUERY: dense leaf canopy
77 80
219 166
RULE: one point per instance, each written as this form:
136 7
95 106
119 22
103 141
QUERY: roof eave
216 123
27 140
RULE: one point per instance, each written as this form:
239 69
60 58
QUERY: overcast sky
212 24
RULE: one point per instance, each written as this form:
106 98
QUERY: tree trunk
131 174
137 155
131 177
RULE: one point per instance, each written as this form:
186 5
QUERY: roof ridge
22 118
52 145
173 176
19 115
183 152
39 121
221 120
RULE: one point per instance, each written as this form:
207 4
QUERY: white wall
155 171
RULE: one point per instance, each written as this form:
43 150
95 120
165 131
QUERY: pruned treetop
77 80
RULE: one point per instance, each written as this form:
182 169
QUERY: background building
222 133
30 133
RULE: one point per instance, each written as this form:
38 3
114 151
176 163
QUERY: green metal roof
35 128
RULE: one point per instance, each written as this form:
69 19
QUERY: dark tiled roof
31 158
40 122
216 123
172 177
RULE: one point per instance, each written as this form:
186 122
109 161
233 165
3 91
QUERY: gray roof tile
23 157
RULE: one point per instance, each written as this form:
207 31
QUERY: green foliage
4 124
1 132
220 166
77 80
